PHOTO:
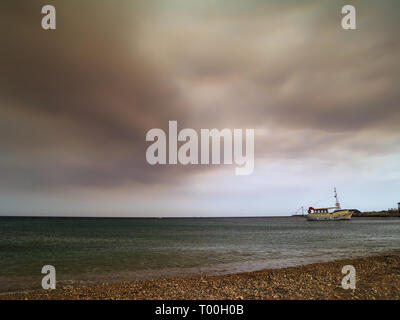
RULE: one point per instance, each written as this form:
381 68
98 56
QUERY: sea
87 251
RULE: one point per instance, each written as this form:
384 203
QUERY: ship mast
337 200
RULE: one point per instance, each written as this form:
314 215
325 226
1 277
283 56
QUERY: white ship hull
329 217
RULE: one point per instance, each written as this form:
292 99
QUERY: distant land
383 213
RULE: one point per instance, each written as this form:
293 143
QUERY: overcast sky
76 104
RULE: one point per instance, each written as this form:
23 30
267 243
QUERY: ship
329 213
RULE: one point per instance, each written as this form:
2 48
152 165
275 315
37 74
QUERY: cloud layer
76 103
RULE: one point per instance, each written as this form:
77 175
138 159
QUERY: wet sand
377 277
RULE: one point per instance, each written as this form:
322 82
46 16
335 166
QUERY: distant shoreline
378 277
378 214
370 214
366 214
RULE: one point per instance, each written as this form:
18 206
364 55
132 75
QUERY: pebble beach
377 277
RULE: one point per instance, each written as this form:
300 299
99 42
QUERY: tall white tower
337 200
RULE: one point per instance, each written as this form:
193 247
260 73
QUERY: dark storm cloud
294 71
302 70
76 103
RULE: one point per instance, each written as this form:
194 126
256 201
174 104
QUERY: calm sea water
87 251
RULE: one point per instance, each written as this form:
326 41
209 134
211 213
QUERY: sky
76 104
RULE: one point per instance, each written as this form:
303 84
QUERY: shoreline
378 277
